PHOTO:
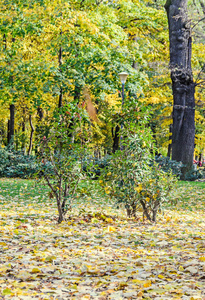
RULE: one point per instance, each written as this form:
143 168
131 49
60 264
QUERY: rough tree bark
183 86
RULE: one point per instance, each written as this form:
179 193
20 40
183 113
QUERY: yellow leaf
140 294
103 293
7 292
50 258
74 287
160 276
137 281
94 220
111 229
181 268
147 284
202 258
138 188
35 270
2 244
109 220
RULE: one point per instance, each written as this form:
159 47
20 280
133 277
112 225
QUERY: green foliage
166 164
132 181
16 164
194 174
154 189
93 166
63 148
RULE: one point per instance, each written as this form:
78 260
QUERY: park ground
97 253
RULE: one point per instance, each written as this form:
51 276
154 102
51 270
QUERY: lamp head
123 77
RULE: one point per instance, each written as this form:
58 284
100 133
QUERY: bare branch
198 22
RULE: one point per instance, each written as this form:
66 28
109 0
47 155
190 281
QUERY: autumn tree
183 86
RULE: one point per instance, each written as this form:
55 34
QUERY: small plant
153 190
133 181
65 156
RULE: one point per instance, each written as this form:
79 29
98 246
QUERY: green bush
194 174
166 164
64 149
16 164
132 180
93 166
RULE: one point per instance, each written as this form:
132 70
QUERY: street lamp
123 77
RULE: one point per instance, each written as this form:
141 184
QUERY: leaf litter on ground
98 253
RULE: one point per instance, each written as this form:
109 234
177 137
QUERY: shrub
194 174
132 180
167 165
93 166
16 164
65 157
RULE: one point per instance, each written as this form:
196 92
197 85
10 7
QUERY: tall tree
183 86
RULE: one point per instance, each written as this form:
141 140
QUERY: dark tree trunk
23 130
12 106
170 142
183 86
40 113
77 92
60 101
11 123
8 131
4 42
116 137
31 136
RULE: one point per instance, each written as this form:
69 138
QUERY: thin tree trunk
115 136
170 142
11 123
183 86
60 101
8 131
23 130
4 41
12 107
31 136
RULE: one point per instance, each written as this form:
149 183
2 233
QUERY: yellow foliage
114 101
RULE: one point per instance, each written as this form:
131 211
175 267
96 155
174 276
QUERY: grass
23 189
98 256
188 195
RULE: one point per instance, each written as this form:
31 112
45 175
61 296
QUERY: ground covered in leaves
97 253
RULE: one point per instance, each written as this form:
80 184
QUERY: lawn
97 253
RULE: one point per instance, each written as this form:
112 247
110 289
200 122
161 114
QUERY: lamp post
123 77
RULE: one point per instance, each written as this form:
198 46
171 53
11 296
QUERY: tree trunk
60 100
31 136
23 146
170 142
115 136
183 86
11 123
